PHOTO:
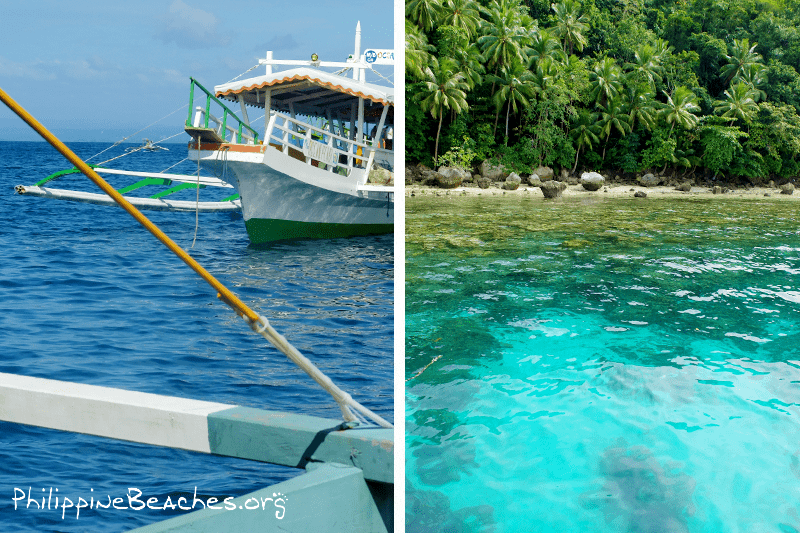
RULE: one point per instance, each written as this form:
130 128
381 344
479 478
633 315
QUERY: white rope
140 131
170 137
175 165
382 76
138 149
243 73
346 403
197 201
119 156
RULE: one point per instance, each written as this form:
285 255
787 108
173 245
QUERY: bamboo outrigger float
157 202
348 479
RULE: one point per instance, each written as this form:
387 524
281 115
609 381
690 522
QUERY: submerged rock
553 189
592 181
641 492
640 194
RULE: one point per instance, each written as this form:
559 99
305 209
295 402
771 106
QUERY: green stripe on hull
263 230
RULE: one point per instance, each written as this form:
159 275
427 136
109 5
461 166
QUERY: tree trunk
576 159
508 112
439 129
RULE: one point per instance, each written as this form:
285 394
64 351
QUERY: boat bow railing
320 147
240 133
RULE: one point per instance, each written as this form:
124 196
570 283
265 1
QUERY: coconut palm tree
418 51
570 25
584 134
605 79
423 13
740 103
514 88
504 37
754 75
679 109
463 14
613 116
470 63
544 75
646 65
543 44
640 105
742 55
444 88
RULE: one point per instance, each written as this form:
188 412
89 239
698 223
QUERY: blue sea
603 365
88 296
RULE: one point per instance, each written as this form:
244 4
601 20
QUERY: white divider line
114 413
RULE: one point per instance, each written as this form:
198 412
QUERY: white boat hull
285 198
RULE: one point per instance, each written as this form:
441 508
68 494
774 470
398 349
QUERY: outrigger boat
323 167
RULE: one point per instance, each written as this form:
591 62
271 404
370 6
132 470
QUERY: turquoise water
608 366
88 296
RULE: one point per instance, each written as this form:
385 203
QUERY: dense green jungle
702 89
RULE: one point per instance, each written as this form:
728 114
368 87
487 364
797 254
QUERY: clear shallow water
604 366
86 295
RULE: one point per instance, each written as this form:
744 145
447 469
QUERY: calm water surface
607 366
86 295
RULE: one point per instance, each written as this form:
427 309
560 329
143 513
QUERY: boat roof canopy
310 91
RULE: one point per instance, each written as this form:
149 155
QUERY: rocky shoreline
544 183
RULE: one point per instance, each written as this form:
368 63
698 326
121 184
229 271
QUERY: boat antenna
357 52
352 411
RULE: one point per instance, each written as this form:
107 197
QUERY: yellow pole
222 292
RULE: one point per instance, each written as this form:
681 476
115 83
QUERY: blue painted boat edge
297 440
328 498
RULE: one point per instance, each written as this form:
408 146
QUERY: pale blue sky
101 70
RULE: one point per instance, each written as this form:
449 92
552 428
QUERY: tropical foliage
709 87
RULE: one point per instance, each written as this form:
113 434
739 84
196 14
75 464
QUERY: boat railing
233 135
320 147
203 116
